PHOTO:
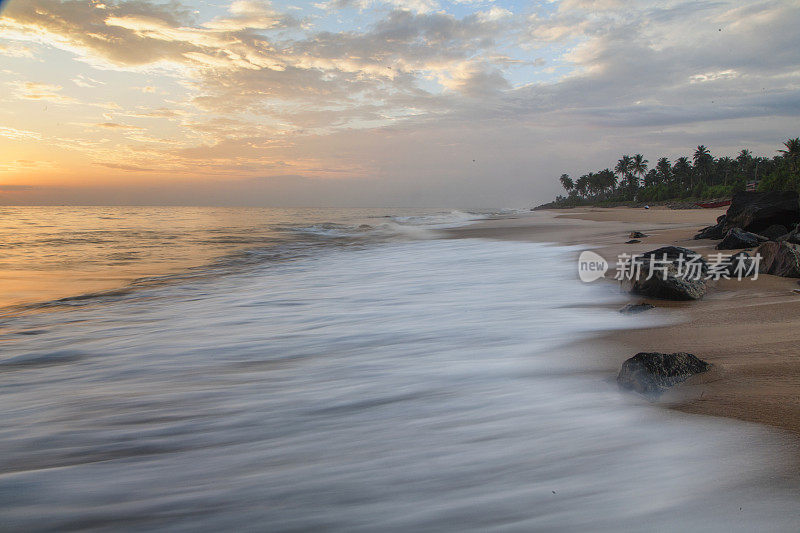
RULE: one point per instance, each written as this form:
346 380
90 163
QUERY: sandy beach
749 329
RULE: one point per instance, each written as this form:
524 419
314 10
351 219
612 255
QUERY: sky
462 103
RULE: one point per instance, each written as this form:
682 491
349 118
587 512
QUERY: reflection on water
55 252
403 386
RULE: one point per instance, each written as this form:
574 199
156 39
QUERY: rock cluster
766 221
757 211
761 216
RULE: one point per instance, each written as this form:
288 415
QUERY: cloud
39 91
116 126
18 51
162 112
128 168
17 134
414 6
251 14
258 90
84 81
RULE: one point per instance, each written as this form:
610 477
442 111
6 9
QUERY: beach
382 369
747 329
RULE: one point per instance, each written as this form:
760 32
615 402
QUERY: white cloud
17 134
257 88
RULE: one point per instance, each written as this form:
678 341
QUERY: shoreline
747 329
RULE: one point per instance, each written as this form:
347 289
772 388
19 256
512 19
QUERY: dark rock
717 231
673 279
632 309
775 232
792 236
721 218
636 235
757 211
779 259
652 373
737 239
632 241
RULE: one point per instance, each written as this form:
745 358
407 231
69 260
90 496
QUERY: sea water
357 374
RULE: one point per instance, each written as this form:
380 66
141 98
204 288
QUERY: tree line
701 176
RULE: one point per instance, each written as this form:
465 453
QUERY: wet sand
749 330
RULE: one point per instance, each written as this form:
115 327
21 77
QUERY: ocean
341 370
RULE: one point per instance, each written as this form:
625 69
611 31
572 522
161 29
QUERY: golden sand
749 329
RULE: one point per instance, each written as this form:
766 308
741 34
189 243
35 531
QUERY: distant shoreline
690 203
748 330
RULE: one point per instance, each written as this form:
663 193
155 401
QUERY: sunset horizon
446 266
372 103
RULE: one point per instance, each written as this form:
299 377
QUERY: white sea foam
419 226
447 219
405 386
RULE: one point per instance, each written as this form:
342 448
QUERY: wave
418 226
257 245
372 388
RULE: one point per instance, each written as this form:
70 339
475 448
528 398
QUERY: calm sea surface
348 370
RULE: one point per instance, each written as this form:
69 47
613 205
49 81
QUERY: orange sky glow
401 102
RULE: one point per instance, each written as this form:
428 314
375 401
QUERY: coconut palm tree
792 152
591 184
664 170
702 161
608 180
745 160
623 168
744 156
682 169
639 165
725 167
651 178
582 185
566 182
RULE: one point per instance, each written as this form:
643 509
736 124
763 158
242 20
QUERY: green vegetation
700 177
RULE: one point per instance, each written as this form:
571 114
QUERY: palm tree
744 157
566 182
664 170
623 168
582 185
724 168
651 178
701 154
792 152
596 184
607 179
682 169
702 161
745 160
639 165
